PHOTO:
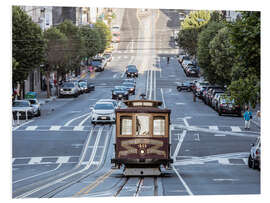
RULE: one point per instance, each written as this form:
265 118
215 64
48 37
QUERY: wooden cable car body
142 142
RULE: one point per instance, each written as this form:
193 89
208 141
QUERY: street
61 154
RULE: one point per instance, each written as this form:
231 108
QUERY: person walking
168 59
247 117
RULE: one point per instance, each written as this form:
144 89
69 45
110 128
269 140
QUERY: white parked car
22 109
103 112
254 159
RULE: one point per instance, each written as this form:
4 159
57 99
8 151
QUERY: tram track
53 185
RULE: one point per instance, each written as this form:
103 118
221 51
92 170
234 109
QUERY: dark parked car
215 100
184 86
213 94
90 86
199 87
120 92
131 71
192 71
226 105
130 87
210 94
254 159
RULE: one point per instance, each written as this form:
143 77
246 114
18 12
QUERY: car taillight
257 152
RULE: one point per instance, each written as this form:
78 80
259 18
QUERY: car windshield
119 89
128 84
105 106
186 83
20 104
68 85
82 84
107 55
32 101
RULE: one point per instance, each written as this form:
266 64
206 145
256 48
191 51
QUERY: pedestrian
247 117
168 59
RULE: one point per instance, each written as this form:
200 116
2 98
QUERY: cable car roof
142 103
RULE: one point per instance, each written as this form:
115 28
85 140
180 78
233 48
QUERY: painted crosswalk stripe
35 160
213 127
78 128
224 161
62 159
31 127
220 135
55 127
245 160
236 129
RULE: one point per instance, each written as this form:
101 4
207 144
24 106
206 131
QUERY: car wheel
38 114
94 123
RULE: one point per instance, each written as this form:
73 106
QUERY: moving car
120 92
69 89
226 105
254 159
98 64
36 106
131 71
184 86
130 87
102 112
115 103
82 87
22 109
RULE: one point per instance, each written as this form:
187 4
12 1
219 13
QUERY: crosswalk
54 128
221 161
174 51
121 57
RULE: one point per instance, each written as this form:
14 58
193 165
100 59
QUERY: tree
92 41
105 35
193 24
204 58
75 47
245 44
27 45
222 58
56 44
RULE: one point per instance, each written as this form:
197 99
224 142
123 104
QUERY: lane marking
213 127
63 159
22 125
220 179
164 105
183 182
224 161
236 129
219 135
84 120
35 160
69 122
55 128
78 128
37 174
31 128
179 145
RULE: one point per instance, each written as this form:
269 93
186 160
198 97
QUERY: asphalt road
61 154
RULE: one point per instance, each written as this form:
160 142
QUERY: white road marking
63 159
31 128
84 120
70 121
213 127
151 81
223 161
35 160
179 103
22 125
220 179
219 135
236 129
37 174
115 75
78 128
163 100
183 182
245 160
179 145
55 127
155 80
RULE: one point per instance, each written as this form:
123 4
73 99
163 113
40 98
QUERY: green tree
221 56
203 54
75 47
27 45
245 42
92 41
105 35
56 44
193 24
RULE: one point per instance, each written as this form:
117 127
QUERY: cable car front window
159 125
125 125
142 125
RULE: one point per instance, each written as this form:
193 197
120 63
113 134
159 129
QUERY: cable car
142 142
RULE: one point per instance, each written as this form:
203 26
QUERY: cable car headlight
142 151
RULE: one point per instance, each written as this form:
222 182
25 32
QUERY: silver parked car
254 159
22 109
36 106
69 89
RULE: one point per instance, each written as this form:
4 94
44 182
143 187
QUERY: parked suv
226 105
254 159
69 89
